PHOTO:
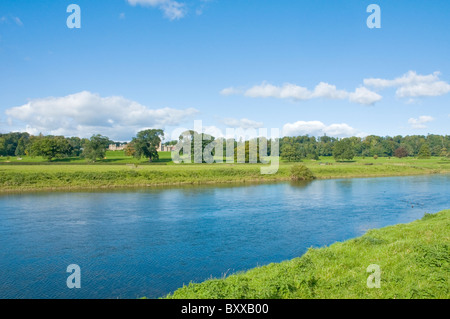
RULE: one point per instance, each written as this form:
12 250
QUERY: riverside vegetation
414 260
119 170
56 162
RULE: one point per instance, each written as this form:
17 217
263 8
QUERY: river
148 242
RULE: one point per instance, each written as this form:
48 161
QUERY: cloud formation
84 114
172 9
242 123
231 91
412 84
361 95
420 122
317 128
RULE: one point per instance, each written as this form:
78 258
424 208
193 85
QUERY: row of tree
300 147
146 143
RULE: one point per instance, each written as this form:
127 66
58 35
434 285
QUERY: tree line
310 147
51 147
296 148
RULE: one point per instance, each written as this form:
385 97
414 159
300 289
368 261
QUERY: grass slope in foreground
414 262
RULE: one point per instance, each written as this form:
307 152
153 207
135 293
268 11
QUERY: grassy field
112 157
117 170
413 258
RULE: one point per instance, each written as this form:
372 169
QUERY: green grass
118 170
111 157
414 260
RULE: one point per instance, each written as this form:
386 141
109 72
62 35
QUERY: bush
375 157
300 172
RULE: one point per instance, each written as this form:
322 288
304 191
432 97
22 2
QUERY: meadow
413 259
118 170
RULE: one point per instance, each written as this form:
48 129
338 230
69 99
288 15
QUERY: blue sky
305 67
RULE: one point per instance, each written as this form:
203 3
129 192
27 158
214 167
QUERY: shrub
300 172
375 157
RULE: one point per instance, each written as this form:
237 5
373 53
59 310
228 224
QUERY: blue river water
149 242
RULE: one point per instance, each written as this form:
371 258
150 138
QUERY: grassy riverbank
127 172
413 258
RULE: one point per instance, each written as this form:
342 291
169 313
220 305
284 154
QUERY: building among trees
117 147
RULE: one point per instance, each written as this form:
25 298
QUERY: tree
11 141
401 152
77 145
289 153
146 144
129 149
343 150
96 147
197 149
22 145
247 149
51 147
424 151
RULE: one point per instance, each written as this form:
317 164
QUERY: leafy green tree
424 151
96 147
313 155
247 152
22 145
77 144
2 145
343 150
146 144
10 141
198 149
289 153
51 147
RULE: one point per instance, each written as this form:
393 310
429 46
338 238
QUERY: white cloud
231 91
420 122
83 114
317 128
424 89
242 123
287 91
172 9
412 84
328 91
361 95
